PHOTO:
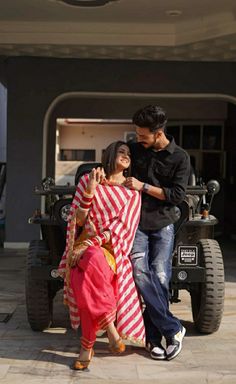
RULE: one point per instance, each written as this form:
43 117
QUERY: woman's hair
109 158
152 117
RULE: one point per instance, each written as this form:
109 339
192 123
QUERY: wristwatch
145 187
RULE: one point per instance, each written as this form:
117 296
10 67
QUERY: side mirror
47 182
213 187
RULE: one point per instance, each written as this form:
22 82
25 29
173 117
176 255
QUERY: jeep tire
207 298
39 301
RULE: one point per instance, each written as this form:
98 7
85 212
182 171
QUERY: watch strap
145 187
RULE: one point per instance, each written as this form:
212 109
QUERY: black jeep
197 259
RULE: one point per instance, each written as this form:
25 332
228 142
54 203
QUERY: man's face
146 138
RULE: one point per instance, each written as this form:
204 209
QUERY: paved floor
33 357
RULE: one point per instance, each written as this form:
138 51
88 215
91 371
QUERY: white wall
92 136
99 135
85 136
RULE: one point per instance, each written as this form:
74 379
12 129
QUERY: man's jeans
151 258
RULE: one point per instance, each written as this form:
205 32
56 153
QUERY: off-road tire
207 298
39 302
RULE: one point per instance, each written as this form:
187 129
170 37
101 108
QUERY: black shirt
168 169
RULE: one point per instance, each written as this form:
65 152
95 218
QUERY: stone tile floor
35 357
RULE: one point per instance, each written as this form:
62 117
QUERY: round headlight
65 212
182 275
54 273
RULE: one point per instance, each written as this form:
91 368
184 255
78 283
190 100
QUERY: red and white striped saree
117 209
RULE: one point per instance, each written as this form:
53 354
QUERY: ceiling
184 30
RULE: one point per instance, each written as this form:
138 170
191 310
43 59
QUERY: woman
99 287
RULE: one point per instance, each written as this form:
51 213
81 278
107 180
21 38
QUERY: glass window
212 165
191 136
212 135
174 131
77 154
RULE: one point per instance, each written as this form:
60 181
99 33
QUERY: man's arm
174 194
134 183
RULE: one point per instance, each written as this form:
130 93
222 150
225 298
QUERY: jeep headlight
65 212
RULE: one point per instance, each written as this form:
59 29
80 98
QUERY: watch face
145 187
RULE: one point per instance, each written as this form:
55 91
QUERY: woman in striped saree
98 283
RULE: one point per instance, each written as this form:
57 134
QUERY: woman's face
123 158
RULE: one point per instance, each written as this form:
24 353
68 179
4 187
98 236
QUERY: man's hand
156 192
133 183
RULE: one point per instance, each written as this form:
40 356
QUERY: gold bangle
83 209
87 242
88 195
107 235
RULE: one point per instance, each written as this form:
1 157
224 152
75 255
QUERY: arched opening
189 112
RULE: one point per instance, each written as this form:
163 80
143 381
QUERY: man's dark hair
109 158
152 117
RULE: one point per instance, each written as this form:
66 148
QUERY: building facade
199 97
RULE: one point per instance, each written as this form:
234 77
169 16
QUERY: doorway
84 140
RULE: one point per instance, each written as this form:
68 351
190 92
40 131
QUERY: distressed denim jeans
151 258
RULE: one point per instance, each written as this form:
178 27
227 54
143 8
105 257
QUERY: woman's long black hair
109 158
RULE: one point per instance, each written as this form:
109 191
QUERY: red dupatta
117 209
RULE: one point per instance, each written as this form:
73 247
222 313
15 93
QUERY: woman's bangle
88 242
83 209
98 240
86 201
88 195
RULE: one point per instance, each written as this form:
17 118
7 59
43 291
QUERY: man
160 170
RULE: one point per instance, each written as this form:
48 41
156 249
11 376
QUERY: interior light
174 12
87 3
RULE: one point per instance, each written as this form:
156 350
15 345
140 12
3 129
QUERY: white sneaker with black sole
157 352
174 344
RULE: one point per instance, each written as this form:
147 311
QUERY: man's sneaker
157 352
174 344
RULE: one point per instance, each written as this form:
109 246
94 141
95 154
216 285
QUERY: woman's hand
96 176
77 253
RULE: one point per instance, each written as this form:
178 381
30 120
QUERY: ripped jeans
151 258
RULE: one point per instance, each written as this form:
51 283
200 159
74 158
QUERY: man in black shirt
160 169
